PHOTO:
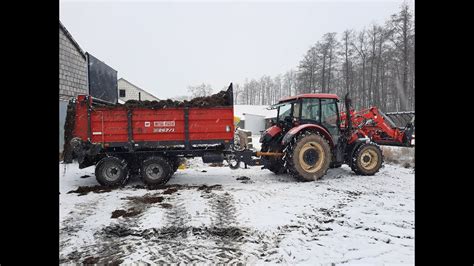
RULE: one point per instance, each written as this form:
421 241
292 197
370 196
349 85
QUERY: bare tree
327 53
347 40
290 82
360 45
200 90
277 88
307 70
376 66
401 34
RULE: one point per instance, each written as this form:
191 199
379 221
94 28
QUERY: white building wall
254 123
131 92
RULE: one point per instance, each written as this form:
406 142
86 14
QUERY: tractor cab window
329 115
284 111
310 110
296 109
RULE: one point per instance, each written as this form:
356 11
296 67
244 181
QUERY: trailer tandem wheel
111 172
156 171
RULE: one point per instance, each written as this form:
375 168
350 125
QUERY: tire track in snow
71 226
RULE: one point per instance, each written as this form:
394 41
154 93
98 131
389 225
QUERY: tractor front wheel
308 156
367 159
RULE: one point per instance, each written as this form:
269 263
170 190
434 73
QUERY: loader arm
380 128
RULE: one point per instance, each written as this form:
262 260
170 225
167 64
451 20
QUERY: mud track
177 241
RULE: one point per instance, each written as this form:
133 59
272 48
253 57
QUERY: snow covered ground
205 215
403 156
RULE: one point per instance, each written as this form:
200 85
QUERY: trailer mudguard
294 131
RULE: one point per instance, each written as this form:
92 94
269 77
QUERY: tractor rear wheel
367 159
111 172
156 171
308 156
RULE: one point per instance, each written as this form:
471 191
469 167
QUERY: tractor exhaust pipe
348 103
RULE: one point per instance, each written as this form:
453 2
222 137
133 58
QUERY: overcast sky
163 47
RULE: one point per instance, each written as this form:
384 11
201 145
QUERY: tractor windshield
284 111
311 110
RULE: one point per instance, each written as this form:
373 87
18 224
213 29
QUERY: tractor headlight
227 128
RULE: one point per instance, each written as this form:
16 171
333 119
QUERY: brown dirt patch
170 191
123 213
208 189
146 199
166 205
90 260
83 190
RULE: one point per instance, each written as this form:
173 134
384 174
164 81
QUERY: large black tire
308 156
111 172
277 165
367 159
156 171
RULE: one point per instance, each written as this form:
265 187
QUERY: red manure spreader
149 139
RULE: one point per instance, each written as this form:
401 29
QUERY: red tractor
311 135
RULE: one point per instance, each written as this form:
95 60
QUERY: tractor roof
311 95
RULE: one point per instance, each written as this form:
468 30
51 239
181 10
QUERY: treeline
375 65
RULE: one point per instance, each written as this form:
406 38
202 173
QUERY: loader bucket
401 119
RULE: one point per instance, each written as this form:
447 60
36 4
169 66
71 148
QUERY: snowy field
205 215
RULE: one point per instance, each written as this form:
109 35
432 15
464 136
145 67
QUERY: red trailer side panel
211 123
109 125
158 125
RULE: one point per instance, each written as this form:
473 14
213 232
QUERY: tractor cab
321 109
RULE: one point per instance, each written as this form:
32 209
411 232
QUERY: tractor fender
296 130
269 133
